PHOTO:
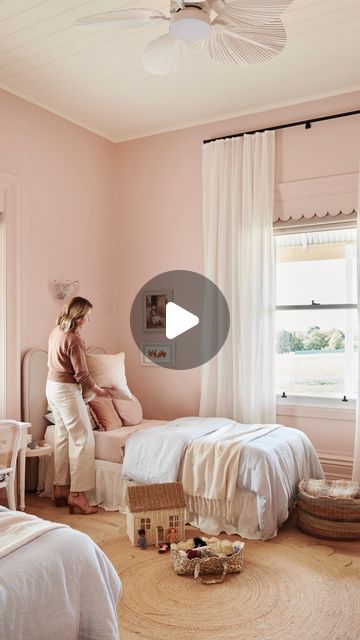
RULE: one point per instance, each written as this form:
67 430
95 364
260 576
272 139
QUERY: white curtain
238 200
356 464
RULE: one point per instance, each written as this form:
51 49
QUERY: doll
141 539
172 535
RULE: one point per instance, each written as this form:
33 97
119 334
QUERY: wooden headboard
34 375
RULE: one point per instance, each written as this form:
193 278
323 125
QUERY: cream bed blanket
210 466
17 529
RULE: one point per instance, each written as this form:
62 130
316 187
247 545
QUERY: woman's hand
101 393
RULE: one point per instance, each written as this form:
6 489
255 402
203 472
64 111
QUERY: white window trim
9 300
316 402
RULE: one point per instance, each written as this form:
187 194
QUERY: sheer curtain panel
238 201
356 464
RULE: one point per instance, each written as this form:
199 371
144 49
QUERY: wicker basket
198 567
329 509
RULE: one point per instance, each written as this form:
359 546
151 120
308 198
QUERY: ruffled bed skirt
211 516
214 516
110 492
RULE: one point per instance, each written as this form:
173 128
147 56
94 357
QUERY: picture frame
154 310
157 353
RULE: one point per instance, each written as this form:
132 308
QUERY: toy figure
141 539
198 542
164 548
172 535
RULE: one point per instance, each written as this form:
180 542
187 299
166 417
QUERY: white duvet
271 462
58 586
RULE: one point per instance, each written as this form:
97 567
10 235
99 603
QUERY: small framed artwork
155 353
155 310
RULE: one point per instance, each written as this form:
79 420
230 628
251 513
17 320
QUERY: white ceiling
94 77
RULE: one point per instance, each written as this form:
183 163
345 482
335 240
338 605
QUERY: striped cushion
332 488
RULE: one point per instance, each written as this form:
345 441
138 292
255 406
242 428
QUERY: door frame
10 405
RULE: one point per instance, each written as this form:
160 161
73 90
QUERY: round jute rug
292 588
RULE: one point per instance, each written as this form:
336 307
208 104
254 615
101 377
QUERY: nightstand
46 450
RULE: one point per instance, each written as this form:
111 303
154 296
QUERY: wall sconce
66 289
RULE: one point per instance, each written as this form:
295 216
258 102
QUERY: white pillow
108 370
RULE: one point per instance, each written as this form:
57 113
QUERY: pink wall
66 188
113 216
160 219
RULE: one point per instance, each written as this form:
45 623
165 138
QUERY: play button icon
178 320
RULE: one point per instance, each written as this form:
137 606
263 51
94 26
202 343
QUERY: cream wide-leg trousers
74 455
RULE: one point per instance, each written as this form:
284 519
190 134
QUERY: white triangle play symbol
178 320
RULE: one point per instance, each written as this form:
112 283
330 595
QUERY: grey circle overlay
196 294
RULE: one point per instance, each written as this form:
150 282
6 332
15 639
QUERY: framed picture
155 353
155 310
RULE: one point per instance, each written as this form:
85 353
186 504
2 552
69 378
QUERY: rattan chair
10 440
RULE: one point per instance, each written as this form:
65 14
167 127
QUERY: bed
55 582
269 470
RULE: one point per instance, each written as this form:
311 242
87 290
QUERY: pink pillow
130 411
106 414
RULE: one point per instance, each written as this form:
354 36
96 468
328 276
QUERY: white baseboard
336 467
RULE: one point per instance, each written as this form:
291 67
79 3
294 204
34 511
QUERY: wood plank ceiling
93 76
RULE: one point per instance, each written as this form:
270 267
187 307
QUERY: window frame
313 400
176 521
145 523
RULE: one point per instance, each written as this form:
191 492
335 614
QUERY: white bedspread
59 586
155 455
17 529
271 464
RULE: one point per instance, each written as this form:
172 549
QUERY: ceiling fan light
190 24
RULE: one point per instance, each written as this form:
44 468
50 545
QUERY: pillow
106 414
95 424
130 412
108 370
93 419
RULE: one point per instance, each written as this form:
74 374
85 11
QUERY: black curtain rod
307 123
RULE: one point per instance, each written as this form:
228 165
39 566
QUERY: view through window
316 314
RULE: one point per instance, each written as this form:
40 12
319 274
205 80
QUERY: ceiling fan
230 31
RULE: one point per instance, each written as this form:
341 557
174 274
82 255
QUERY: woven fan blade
124 18
167 54
251 45
249 12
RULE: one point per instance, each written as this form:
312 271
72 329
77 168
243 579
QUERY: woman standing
68 379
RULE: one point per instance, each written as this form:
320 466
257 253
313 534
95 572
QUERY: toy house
156 508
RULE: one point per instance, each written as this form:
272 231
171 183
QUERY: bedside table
46 450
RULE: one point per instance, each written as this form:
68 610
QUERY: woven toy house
155 508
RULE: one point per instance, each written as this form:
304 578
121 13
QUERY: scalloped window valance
316 202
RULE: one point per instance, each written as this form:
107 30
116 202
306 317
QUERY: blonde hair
74 310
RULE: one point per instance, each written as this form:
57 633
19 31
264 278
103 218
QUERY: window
173 521
316 316
145 523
